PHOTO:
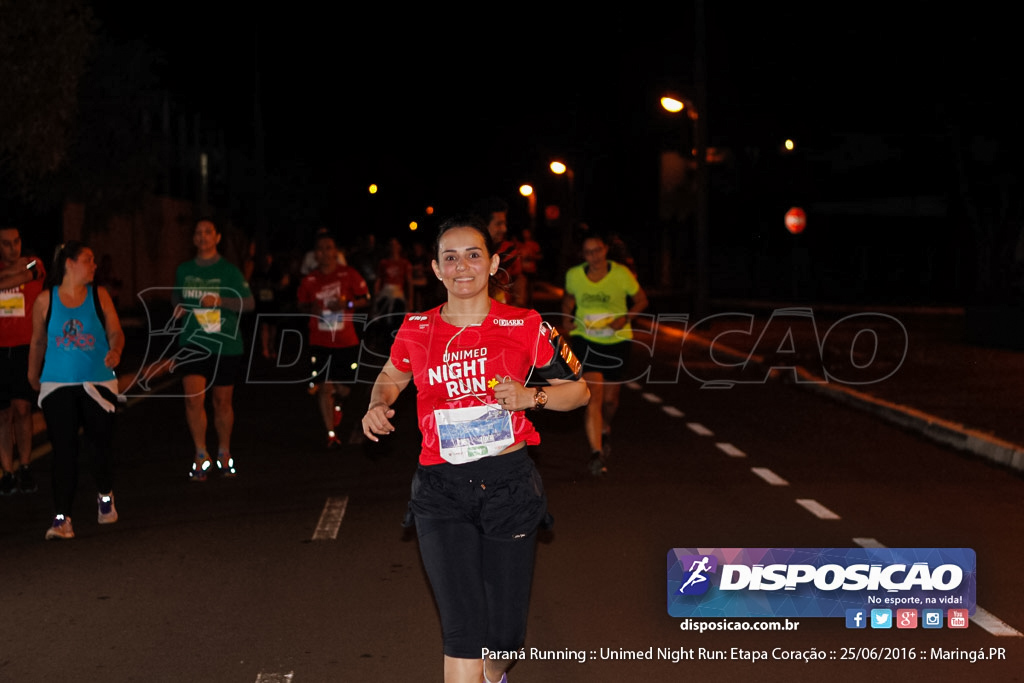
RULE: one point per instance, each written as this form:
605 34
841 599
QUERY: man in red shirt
21 281
331 292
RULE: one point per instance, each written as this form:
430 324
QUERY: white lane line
330 519
275 678
982 617
731 450
868 543
651 398
698 428
635 386
769 476
993 624
816 508
672 410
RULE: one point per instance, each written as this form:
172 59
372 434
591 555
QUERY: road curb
945 432
935 428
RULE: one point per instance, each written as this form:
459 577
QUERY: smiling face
463 263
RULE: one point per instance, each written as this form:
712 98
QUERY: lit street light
676 105
560 168
531 198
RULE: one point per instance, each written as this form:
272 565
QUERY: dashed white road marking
698 428
731 450
816 508
994 624
275 678
769 476
330 519
635 386
672 410
982 617
868 543
651 398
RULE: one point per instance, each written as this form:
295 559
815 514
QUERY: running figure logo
72 336
696 583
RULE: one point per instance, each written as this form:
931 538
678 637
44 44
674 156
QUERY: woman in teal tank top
76 344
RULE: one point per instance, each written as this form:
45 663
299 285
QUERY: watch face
541 399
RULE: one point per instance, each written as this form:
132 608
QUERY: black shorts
337 365
14 375
502 495
218 369
608 359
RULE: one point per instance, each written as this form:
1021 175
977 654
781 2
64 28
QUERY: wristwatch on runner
540 399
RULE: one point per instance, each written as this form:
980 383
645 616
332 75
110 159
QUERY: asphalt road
223 581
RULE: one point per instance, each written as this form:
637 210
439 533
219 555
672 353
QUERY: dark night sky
451 107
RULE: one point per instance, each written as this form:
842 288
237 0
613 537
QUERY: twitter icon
881 618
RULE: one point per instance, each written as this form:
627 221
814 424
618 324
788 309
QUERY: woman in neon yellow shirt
600 296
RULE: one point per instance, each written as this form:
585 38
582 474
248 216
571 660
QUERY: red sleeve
400 350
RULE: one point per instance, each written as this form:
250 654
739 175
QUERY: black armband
564 364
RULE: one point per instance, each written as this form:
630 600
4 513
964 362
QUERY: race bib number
598 325
331 322
12 304
208 318
467 434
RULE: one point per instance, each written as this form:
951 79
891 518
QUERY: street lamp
560 168
531 198
676 105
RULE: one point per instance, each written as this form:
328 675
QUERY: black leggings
67 410
479 556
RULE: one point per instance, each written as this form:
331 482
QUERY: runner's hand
512 396
378 420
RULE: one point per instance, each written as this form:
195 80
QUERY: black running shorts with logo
608 359
502 495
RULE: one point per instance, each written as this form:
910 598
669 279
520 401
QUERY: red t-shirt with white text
454 367
331 293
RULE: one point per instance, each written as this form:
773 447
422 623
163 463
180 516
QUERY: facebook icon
856 618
